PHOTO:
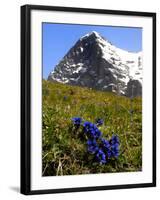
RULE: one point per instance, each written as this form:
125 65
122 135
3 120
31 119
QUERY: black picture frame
26 98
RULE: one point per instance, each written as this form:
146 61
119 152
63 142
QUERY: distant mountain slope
95 63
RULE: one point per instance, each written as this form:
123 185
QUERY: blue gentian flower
114 139
77 121
115 150
65 98
101 157
105 143
98 133
92 130
114 142
106 147
92 146
87 126
99 122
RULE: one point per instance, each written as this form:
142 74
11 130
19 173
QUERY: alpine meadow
65 150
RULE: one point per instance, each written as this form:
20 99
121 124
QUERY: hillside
65 148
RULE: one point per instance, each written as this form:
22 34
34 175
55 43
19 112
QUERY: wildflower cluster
101 148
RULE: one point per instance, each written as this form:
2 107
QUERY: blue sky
59 38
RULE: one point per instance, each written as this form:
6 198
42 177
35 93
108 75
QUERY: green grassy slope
65 153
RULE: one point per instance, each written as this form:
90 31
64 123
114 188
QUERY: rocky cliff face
95 63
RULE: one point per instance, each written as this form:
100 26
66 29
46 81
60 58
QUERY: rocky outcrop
134 88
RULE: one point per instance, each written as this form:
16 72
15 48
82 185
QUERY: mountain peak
95 63
92 34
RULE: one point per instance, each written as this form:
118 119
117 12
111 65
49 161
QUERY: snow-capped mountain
95 63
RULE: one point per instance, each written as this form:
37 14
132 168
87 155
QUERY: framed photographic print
88 99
